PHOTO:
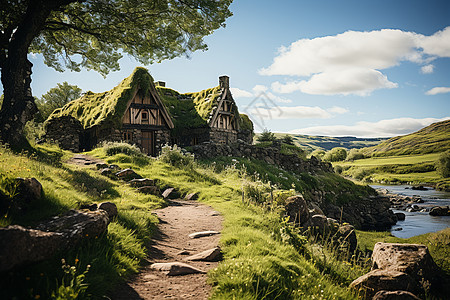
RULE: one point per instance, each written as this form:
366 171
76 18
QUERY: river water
417 223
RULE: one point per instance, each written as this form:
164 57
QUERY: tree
354 154
57 97
287 139
266 136
92 34
335 154
443 164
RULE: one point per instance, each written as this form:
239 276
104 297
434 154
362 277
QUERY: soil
177 221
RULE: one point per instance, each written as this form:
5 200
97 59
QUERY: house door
148 142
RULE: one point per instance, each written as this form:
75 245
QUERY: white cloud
383 128
438 90
332 63
238 93
427 69
290 112
257 89
338 110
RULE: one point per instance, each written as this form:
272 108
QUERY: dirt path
178 220
84 160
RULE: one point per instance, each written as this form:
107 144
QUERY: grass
265 257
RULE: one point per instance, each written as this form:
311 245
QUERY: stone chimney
224 82
160 83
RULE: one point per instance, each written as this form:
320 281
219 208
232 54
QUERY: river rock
394 295
213 254
440 211
297 210
175 268
400 216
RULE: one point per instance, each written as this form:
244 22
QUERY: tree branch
69 26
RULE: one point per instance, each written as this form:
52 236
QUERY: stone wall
223 136
246 136
270 155
65 131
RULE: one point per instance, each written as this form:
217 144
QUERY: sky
333 68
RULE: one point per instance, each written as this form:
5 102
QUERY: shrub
287 139
335 154
318 153
293 149
443 164
354 154
113 148
266 136
176 157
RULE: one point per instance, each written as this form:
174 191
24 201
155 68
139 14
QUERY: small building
149 115
132 112
208 116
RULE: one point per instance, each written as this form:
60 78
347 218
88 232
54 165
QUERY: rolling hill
431 139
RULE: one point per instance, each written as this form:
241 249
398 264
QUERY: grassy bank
264 257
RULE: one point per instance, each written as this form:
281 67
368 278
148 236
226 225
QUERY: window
144 116
127 136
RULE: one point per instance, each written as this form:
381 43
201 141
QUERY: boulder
394 295
106 172
20 246
318 224
377 280
175 268
200 234
101 166
150 189
440 211
142 182
29 188
171 193
419 188
191 196
213 254
110 208
346 236
297 210
413 259
91 207
128 174
400 216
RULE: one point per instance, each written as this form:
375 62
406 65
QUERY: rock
346 235
175 268
171 193
315 209
419 188
183 252
101 166
20 246
127 175
400 216
213 254
142 182
197 235
106 172
394 295
319 224
29 189
110 208
191 196
91 207
114 167
440 211
413 259
152 190
377 280
297 210
78 224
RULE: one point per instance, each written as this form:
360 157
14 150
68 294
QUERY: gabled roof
107 108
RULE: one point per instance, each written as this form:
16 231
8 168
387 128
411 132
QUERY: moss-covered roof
107 108
245 123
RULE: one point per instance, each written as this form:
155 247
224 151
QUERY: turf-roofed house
208 116
132 112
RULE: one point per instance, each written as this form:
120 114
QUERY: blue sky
362 68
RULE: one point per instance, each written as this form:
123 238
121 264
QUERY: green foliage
287 139
318 153
335 154
245 123
57 97
291 149
354 154
72 284
266 136
113 148
443 164
434 138
175 157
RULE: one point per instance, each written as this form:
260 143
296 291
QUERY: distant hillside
311 143
431 139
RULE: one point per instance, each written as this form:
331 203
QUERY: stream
417 223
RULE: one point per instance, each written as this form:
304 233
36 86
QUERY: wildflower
76 260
